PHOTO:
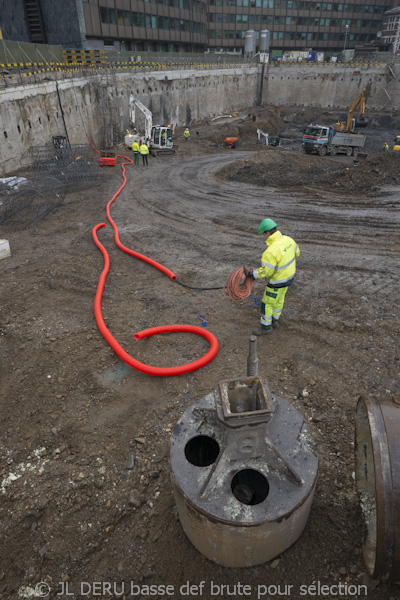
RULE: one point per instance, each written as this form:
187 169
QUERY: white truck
157 137
325 140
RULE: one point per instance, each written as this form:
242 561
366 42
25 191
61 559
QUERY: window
111 16
267 20
103 14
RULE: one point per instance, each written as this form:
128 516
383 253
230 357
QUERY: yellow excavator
352 123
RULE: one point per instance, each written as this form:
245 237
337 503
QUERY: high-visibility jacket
278 262
143 149
186 133
135 146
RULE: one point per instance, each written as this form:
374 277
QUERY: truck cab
315 137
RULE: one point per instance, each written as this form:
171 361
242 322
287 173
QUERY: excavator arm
133 104
351 123
359 101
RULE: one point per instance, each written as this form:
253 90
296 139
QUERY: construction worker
186 134
135 148
385 147
144 151
278 265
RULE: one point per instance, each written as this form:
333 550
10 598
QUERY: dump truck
323 139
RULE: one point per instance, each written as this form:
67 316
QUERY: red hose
158 371
150 261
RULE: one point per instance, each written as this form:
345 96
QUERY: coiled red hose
157 371
238 286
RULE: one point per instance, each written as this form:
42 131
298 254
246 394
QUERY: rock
274 563
156 536
134 499
130 461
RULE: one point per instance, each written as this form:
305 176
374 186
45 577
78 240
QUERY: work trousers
145 159
272 304
136 158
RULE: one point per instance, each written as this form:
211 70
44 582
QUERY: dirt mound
246 129
284 169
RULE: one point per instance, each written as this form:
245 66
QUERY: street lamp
345 37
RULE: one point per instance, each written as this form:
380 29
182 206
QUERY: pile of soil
281 168
246 129
208 137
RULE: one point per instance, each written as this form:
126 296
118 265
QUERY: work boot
275 323
263 330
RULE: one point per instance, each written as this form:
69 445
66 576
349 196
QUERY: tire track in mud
348 242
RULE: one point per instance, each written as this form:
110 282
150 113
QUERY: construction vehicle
325 140
268 139
158 138
342 138
352 123
231 142
396 147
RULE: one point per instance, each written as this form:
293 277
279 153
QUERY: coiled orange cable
237 286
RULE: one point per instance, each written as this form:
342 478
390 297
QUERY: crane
351 123
157 137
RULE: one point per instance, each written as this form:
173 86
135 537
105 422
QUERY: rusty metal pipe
252 360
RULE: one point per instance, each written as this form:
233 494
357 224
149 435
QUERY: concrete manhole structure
244 469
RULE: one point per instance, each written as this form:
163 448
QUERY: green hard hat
266 225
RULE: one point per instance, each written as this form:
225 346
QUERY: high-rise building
194 25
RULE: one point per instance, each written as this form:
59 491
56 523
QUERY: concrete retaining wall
31 115
329 87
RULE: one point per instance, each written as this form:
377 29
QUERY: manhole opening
243 397
250 487
202 451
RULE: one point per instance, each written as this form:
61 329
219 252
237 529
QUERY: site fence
23 63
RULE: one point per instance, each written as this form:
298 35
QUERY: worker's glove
248 273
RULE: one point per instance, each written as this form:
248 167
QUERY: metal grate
55 173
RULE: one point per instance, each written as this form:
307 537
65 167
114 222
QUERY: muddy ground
86 493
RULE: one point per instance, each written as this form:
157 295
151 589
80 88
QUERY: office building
194 25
